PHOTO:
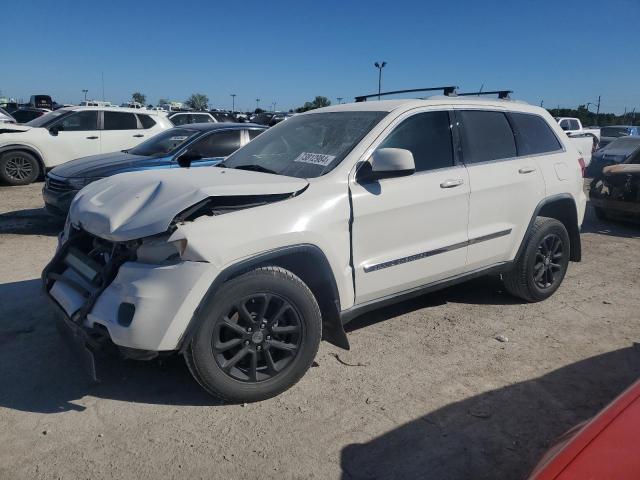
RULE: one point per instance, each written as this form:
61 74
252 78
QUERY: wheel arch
306 261
563 208
25 148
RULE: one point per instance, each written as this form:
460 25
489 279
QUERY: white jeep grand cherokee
245 267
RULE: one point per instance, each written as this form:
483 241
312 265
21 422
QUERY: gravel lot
425 392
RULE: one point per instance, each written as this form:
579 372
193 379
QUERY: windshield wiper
255 168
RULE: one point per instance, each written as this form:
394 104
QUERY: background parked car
24 115
41 101
224 116
65 134
185 118
615 152
610 133
616 193
199 144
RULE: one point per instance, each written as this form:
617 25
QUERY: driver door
411 230
74 136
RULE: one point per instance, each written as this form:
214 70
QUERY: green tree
141 98
317 102
163 101
197 101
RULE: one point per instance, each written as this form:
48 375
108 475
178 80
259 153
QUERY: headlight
78 183
158 250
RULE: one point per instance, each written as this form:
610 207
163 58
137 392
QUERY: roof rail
502 94
449 91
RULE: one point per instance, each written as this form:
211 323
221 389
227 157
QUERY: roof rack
502 94
448 91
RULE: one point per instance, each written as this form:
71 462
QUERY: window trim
506 113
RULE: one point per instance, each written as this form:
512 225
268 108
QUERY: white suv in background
27 151
244 267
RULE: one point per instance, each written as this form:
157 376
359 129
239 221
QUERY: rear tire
539 271
258 338
18 168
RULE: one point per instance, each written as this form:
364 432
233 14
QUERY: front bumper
144 307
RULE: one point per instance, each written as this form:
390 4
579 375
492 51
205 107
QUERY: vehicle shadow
39 373
498 434
488 290
33 221
611 228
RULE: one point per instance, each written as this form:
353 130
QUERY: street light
233 103
274 106
257 103
85 94
379 66
339 100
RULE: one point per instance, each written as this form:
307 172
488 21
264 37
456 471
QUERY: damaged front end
616 194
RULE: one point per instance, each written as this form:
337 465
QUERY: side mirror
391 162
54 130
187 157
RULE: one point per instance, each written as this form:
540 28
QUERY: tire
535 275
256 352
18 168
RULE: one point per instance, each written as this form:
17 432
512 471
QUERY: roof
441 100
116 109
220 126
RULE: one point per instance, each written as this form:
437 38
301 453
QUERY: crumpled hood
139 204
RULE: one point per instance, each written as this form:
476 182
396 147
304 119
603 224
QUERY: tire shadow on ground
498 434
39 373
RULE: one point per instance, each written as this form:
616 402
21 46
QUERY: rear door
121 131
412 230
505 187
74 136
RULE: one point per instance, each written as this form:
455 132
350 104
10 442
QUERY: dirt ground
425 392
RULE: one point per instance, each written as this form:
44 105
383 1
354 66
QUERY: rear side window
146 121
573 124
201 118
533 134
486 136
120 121
220 144
427 136
181 119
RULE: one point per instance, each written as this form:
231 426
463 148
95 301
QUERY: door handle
527 170
138 136
92 138
452 182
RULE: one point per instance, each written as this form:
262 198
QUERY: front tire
18 168
258 338
539 271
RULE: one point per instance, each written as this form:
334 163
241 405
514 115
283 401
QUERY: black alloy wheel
549 261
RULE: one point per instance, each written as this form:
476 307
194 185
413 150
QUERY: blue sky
565 52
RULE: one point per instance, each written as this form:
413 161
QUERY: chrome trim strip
431 253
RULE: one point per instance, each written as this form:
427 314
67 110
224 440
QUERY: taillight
582 165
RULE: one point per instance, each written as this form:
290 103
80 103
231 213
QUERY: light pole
274 106
379 66
257 103
85 94
233 103
339 100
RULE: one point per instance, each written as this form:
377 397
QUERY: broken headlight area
159 249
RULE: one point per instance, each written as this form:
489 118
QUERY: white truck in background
586 140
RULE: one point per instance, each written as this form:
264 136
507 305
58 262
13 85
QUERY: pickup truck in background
586 140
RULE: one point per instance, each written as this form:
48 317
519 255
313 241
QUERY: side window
201 118
486 136
573 125
533 134
180 119
254 133
220 144
427 136
79 122
146 121
120 121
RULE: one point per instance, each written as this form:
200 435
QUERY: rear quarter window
533 134
146 121
485 136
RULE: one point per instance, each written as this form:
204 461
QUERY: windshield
48 118
164 143
305 146
614 131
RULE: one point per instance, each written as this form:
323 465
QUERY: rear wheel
18 168
539 271
259 337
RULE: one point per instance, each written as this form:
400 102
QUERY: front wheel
539 271
18 168
258 338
